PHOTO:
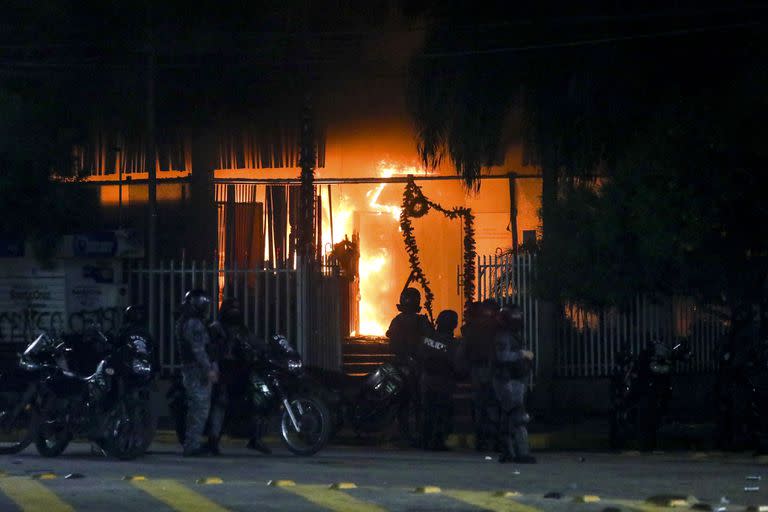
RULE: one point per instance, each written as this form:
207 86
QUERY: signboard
100 244
93 295
30 305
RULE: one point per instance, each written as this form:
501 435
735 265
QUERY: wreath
415 205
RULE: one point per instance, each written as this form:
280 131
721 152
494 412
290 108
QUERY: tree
683 211
627 95
36 140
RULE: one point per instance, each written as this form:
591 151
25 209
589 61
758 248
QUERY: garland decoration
415 205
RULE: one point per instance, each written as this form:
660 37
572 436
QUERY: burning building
227 157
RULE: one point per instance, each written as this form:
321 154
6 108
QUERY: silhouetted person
438 381
405 333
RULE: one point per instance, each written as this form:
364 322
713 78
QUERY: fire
377 272
376 269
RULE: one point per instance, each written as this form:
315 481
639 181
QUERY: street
376 479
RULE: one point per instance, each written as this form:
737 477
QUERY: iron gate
303 305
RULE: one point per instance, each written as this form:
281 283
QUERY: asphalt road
384 480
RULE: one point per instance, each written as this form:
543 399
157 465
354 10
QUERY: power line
564 20
587 42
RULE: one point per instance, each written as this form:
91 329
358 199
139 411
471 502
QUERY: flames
378 279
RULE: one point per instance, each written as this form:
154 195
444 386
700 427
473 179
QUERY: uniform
405 333
437 385
478 338
510 374
196 369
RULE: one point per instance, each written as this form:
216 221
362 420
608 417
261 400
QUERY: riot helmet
197 302
134 314
410 301
230 311
510 317
488 309
447 321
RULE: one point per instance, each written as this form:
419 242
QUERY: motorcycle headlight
295 365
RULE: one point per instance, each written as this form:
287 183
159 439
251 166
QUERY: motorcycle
20 398
109 407
640 392
372 405
274 382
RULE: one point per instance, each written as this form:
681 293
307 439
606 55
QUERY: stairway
363 354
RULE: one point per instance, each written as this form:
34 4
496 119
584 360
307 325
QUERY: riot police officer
438 381
405 333
198 372
511 369
478 345
232 344
134 332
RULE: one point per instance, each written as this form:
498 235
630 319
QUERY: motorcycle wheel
314 423
51 439
129 430
17 428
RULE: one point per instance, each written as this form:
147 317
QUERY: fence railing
508 278
586 342
300 304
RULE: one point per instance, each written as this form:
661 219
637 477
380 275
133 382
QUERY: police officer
232 344
198 372
134 332
511 369
478 345
438 380
405 333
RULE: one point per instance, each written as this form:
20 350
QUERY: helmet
410 301
198 302
134 314
230 311
510 317
447 321
488 308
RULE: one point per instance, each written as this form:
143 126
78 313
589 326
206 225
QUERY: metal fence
301 304
586 342
508 278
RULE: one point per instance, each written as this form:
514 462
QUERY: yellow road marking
331 499
488 501
177 496
32 496
640 506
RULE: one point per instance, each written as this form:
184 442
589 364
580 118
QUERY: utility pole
513 210
151 164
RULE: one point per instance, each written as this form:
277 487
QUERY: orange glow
377 269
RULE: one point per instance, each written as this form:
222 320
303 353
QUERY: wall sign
30 305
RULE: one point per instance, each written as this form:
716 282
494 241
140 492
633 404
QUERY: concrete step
366 346
363 358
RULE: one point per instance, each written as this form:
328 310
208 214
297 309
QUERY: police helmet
230 310
447 321
410 300
510 317
134 314
489 308
198 302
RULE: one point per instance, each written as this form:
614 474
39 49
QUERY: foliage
35 139
667 109
415 205
683 212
